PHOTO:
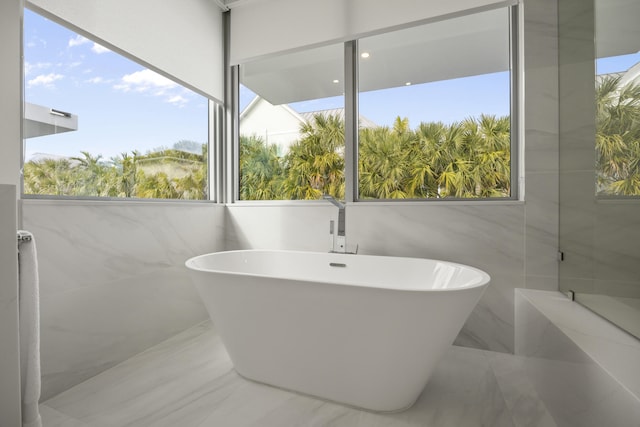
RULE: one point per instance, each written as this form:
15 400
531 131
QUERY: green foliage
468 159
261 171
165 174
617 138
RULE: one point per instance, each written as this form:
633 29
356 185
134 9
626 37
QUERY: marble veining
101 258
188 380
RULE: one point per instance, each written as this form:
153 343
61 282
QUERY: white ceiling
465 46
460 47
617 27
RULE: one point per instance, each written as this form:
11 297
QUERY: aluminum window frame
351 79
215 130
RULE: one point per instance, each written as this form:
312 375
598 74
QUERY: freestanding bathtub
365 331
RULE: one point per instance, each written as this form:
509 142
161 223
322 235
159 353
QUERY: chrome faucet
338 243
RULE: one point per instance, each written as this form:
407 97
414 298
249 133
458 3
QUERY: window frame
351 96
215 129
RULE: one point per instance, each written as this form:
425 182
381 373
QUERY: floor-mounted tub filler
365 331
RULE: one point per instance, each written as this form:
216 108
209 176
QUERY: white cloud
178 100
96 48
152 84
44 80
145 80
77 41
97 80
29 67
35 41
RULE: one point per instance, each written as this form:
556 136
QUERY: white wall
179 38
515 242
9 343
113 281
262 28
10 88
10 105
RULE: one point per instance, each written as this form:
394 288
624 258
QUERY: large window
434 106
292 126
437 103
100 125
617 100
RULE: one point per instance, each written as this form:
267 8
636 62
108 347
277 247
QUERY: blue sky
121 106
617 64
447 101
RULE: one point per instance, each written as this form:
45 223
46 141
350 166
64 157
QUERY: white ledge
614 350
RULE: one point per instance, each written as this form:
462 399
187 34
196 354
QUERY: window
434 115
435 108
97 124
617 101
292 126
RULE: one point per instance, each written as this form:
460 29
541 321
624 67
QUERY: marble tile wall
541 191
112 280
577 139
9 349
515 242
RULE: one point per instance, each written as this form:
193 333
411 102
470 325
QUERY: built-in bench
585 369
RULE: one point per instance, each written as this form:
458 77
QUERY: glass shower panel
600 157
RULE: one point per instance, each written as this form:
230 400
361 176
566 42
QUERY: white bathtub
361 330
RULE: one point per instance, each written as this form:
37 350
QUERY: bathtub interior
397 273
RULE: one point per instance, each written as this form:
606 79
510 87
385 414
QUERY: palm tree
124 182
90 175
384 162
261 170
49 176
156 186
314 165
431 152
489 142
617 137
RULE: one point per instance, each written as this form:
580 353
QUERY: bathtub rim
485 278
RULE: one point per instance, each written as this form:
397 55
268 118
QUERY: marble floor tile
188 381
52 418
521 397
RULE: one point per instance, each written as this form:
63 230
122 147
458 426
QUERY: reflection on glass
99 125
435 110
599 218
292 126
618 122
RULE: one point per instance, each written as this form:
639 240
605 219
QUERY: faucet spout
339 244
333 201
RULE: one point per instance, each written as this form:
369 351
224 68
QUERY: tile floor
188 381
